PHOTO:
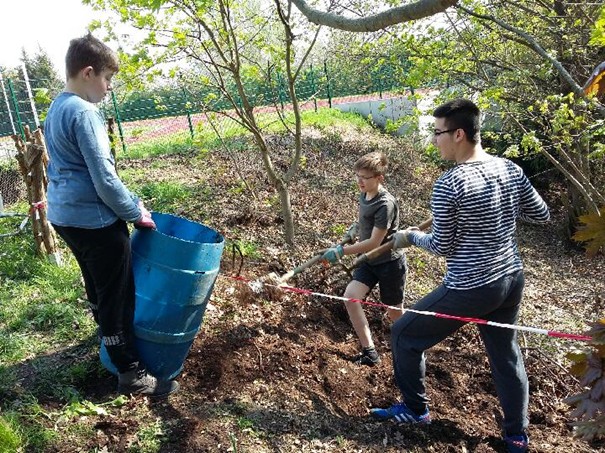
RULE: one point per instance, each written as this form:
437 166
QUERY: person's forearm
363 246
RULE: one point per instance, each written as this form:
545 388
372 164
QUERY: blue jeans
499 301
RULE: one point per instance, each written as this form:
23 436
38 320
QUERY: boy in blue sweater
88 205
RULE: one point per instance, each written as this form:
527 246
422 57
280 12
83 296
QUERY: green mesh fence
23 102
174 109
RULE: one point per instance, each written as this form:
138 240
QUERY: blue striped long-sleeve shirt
475 206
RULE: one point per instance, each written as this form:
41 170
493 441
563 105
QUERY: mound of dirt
270 371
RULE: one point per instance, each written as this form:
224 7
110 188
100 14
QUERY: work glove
333 254
145 221
401 239
352 233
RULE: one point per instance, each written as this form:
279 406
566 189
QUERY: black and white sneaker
139 382
368 356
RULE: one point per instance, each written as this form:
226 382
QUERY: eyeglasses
437 133
365 178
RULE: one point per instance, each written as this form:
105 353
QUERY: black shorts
390 276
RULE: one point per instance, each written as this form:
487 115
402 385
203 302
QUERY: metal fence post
16 107
279 90
29 95
329 91
8 106
313 88
188 110
115 108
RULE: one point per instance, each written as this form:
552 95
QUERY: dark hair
89 51
461 114
376 162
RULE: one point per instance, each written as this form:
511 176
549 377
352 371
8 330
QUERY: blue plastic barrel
175 267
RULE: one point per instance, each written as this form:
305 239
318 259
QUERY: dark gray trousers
499 301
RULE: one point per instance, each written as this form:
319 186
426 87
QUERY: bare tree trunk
575 206
286 210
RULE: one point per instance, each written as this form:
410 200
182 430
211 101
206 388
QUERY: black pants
105 260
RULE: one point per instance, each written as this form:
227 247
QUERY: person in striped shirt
475 206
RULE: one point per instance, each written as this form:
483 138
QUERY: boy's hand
333 254
145 221
352 233
401 239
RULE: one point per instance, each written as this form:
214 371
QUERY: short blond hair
376 162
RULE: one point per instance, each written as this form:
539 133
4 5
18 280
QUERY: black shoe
368 357
139 382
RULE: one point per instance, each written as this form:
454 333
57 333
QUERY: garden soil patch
271 371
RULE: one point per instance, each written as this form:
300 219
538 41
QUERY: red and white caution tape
36 206
257 286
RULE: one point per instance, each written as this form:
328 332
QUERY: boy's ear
88 71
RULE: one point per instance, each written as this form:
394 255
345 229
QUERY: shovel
386 246
297 270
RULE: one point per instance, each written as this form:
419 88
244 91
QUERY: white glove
401 239
352 233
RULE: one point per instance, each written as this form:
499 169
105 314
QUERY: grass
325 118
43 321
21 431
150 438
163 196
248 249
179 143
230 132
10 438
166 196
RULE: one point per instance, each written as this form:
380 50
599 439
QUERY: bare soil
270 371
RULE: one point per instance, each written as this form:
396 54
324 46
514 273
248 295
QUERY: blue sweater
475 207
84 189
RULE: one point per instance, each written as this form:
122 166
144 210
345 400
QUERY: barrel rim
156 231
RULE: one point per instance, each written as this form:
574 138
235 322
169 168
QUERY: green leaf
118 402
592 231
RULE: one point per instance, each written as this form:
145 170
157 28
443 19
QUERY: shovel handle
297 270
387 246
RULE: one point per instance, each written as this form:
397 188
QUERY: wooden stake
33 159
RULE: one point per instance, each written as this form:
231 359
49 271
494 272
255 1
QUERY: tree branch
575 88
384 19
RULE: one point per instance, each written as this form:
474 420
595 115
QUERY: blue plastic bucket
175 267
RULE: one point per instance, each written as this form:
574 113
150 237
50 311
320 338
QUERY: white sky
49 24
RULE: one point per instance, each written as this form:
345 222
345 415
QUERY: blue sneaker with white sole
517 444
400 413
